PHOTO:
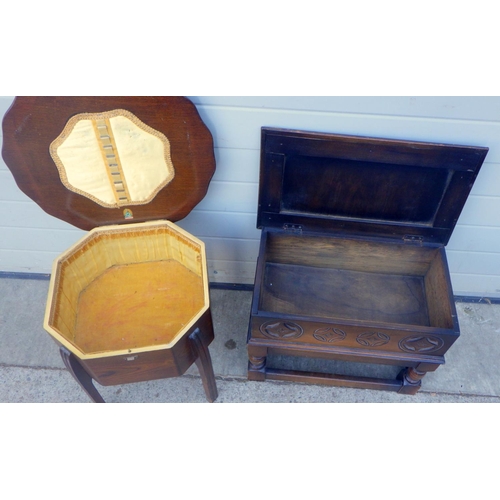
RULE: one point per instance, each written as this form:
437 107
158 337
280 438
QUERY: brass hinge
293 228
418 240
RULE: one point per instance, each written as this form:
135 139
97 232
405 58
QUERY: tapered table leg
80 375
204 364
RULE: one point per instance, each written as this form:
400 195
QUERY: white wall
226 218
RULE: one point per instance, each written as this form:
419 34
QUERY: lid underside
364 186
94 161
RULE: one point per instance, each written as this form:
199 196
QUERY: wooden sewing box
352 266
129 302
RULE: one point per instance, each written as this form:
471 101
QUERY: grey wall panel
30 239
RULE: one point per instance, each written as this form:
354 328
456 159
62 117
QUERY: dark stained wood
366 186
257 355
204 364
80 375
326 186
140 367
371 149
290 289
261 347
361 254
151 365
332 379
411 380
440 302
351 264
347 279
32 123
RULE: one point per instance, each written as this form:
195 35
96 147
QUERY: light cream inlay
113 158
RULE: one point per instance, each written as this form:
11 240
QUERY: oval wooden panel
32 123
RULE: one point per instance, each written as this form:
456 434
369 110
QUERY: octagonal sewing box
352 266
129 302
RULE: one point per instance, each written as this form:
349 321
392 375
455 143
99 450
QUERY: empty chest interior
355 279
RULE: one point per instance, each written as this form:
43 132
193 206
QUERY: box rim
105 354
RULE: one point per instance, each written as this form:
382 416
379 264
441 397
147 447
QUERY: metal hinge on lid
409 238
293 228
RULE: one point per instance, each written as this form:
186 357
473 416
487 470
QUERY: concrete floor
31 369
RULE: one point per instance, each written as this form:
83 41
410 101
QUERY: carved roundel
281 330
372 339
421 343
329 335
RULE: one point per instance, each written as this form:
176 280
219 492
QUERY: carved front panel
332 335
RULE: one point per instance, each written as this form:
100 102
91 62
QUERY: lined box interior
128 288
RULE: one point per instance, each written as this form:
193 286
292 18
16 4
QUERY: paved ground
32 371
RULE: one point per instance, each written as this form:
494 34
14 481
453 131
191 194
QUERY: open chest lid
95 161
364 186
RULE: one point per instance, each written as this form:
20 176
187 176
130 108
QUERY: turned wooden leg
204 364
257 363
412 380
80 375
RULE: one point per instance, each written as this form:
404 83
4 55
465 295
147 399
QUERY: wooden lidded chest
352 265
129 302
